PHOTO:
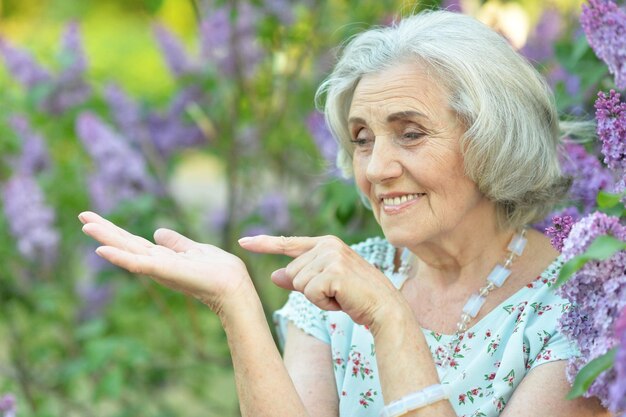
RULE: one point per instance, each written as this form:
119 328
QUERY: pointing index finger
292 246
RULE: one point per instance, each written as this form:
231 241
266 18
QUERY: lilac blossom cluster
31 221
559 231
34 157
540 44
62 91
8 406
231 44
228 42
611 118
588 174
165 131
598 292
70 88
617 393
121 173
604 24
174 52
23 66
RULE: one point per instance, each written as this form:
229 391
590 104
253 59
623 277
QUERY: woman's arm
309 364
542 393
219 280
263 384
334 277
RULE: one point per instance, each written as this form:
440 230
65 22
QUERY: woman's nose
383 164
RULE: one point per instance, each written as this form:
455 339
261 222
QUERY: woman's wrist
235 302
393 317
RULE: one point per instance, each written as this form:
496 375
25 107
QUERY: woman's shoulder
549 276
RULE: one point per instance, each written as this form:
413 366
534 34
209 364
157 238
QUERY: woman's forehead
405 88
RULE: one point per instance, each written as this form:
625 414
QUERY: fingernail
245 240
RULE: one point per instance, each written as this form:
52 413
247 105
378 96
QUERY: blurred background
195 115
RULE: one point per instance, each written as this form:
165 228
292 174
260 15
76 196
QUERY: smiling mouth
392 203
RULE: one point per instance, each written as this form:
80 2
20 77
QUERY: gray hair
512 128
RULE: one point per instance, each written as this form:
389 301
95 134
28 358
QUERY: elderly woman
451 137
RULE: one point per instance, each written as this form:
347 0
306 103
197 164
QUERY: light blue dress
492 359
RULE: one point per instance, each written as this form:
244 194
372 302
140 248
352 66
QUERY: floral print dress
491 360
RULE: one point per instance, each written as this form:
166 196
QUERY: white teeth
396 201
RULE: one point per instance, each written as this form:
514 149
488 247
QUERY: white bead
483 291
473 305
517 245
498 275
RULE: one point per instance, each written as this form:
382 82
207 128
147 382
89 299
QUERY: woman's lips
395 204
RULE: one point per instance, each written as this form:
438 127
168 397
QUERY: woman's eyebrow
401 115
357 120
393 117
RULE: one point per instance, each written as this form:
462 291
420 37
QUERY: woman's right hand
203 271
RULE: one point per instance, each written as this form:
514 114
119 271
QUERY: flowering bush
81 338
594 248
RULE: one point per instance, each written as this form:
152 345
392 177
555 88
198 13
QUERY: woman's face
407 160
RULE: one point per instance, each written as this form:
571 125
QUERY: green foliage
590 372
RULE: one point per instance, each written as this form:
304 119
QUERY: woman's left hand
330 274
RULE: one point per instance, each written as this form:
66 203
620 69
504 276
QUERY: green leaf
590 372
153 6
603 247
607 200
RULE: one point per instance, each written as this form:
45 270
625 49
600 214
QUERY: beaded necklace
496 278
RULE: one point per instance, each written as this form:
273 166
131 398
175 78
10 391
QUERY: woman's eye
412 135
361 139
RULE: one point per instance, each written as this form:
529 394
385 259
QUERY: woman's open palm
203 271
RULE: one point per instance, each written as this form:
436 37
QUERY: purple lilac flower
452 6
598 293
588 174
540 45
69 88
168 131
174 52
558 74
31 221
611 118
274 210
618 388
570 211
121 172
22 66
559 231
604 24
216 32
323 138
126 113
34 157
282 9
72 53
8 405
